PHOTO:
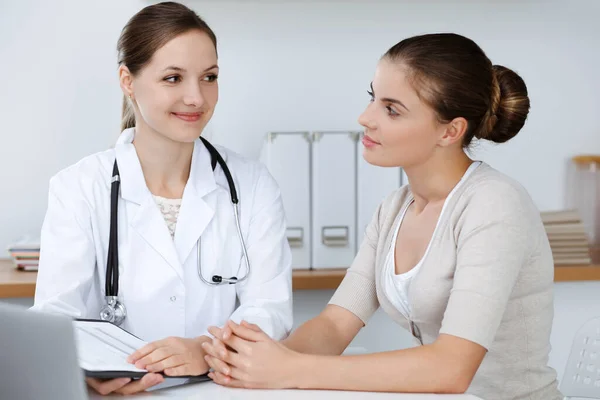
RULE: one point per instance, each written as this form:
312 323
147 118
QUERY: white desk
209 390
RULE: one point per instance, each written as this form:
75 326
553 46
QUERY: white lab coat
159 283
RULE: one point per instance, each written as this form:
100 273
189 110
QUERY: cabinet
287 155
329 193
334 200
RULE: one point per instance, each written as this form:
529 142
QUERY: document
103 349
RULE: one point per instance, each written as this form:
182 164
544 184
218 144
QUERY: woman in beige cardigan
459 257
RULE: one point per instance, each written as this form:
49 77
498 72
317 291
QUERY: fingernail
125 380
207 357
222 353
139 365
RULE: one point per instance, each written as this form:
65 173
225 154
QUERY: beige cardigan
488 278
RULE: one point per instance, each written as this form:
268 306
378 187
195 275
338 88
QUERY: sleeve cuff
358 295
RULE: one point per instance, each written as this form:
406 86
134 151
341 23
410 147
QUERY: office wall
286 65
59 98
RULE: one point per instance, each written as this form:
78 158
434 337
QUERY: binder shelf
14 283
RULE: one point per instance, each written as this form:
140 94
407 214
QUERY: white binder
329 193
334 199
287 156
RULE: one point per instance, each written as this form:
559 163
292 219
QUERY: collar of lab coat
195 213
133 185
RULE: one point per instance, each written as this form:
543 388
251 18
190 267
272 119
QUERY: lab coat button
173 298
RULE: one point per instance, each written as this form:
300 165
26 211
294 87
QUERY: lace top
170 211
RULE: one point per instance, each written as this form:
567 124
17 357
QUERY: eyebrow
179 69
388 99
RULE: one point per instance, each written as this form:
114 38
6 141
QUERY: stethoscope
114 311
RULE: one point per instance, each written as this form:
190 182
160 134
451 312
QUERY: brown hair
149 30
453 75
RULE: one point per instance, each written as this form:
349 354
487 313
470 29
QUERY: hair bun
509 106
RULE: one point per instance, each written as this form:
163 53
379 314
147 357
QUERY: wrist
303 368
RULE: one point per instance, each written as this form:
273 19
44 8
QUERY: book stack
25 254
568 237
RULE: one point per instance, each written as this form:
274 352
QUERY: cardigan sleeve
357 292
495 241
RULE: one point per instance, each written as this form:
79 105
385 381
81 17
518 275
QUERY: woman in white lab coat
171 201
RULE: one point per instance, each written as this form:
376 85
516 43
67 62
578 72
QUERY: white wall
285 66
59 98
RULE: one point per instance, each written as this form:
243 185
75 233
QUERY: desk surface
209 390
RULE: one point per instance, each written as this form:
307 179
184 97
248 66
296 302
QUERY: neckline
411 272
166 199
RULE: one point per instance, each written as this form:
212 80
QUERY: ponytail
127 115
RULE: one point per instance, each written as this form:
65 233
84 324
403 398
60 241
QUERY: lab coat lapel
149 223
195 213
143 214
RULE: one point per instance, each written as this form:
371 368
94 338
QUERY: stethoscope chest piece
114 311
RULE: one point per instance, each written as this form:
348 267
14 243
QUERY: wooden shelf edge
301 280
571 273
17 290
331 278
327 279
317 279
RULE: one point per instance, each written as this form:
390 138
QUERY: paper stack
568 237
25 254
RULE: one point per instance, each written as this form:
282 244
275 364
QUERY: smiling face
400 129
175 94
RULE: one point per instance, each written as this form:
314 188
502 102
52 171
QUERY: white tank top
396 286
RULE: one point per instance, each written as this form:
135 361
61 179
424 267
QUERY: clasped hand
242 355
